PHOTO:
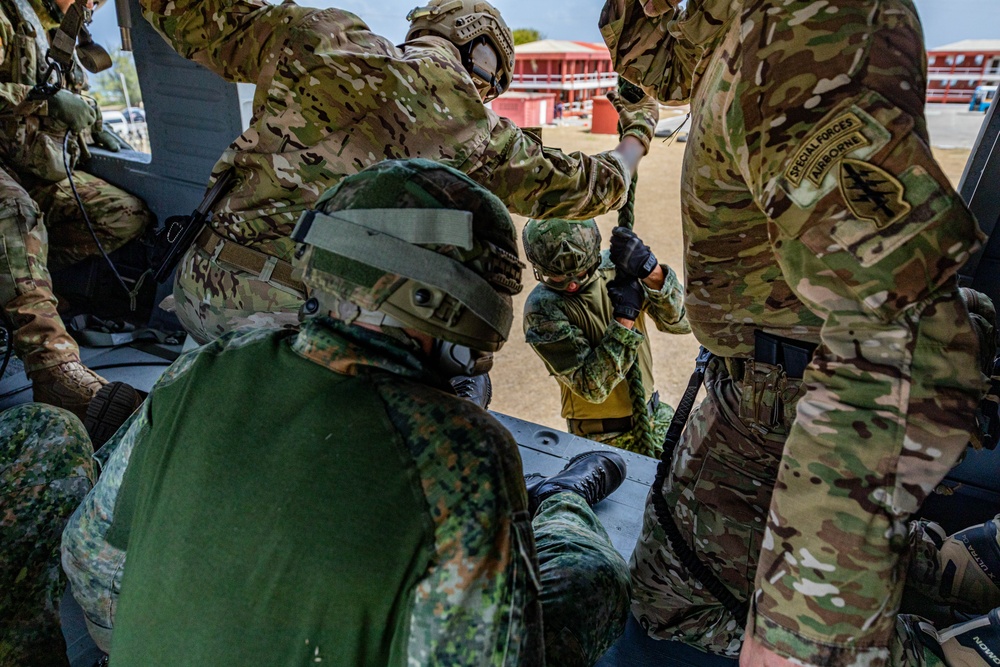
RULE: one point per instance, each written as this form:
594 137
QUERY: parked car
115 120
134 114
982 97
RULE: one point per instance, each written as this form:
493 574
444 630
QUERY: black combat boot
476 388
109 409
593 475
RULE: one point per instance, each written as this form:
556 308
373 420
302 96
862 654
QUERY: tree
525 35
107 86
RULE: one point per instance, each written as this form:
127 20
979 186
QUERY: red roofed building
954 71
575 72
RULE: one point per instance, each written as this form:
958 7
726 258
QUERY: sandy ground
521 384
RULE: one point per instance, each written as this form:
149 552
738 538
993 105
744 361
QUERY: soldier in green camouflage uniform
33 184
332 98
46 469
812 210
569 321
269 552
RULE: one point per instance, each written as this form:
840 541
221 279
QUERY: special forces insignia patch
871 193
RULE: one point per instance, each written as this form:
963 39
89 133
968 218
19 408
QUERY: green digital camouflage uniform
33 184
46 469
589 353
812 209
332 98
477 601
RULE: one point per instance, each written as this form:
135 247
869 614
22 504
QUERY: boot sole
109 409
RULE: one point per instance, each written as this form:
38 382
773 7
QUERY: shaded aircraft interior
193 115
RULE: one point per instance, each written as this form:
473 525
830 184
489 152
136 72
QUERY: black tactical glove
626 297
630 255
72 110
106 139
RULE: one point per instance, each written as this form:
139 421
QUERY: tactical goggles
564 282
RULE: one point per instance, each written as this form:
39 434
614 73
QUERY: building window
959 59
932 60
979 59
949 60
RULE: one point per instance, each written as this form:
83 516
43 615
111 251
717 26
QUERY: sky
944 21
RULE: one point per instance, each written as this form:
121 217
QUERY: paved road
953 125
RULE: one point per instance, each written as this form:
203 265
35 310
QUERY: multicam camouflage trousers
720 486
629 440
28 246
46 469
212 299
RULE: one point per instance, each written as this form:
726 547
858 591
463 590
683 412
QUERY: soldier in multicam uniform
33 183
263 550
588 327
46 470
823 243
332 98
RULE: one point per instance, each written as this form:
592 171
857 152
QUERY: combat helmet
559 248
464 23
415 244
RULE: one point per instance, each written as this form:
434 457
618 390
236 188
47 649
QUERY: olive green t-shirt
272 517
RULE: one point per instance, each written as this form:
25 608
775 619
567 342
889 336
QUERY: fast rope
643 422
644 442
133 293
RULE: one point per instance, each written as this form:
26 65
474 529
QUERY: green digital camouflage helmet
462 22
421 243
559 247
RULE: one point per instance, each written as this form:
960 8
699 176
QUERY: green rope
641 419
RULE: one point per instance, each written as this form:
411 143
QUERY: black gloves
626 296
630 255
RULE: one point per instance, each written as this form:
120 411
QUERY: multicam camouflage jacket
30 141
813 209
333 98
477 601
588 352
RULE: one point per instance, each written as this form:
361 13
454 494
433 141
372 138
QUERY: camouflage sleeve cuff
809 652
626 173
628 337
670 286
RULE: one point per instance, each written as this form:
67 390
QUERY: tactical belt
265 267
612 425
792 355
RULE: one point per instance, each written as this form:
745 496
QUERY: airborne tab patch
871 193
827 145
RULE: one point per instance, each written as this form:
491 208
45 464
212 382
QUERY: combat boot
962 570
592 475
475 388
974 643
111 407
69 385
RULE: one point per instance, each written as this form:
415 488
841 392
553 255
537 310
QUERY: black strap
665 516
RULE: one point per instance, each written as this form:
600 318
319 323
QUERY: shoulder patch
872 193
822 150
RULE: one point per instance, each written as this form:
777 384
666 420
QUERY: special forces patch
871 193
821 151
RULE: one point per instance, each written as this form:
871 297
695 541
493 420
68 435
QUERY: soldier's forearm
630 150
